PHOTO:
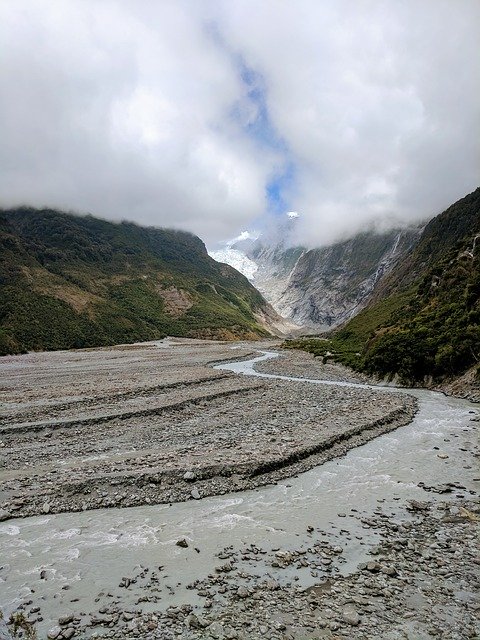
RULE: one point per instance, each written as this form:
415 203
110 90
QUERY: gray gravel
159 425
420 583
300 364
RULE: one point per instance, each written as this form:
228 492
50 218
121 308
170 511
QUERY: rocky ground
301 364
150 424
466 386
421 581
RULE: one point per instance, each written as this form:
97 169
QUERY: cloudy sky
213 115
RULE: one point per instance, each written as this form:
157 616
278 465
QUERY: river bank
420 582
301 364
466 386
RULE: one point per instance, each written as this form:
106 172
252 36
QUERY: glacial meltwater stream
63 562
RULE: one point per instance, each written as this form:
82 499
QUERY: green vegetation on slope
428 322
68 281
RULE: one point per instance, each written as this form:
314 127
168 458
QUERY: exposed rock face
322 288
466 386
327 286
276 265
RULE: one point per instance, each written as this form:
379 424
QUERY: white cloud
378 102
126 109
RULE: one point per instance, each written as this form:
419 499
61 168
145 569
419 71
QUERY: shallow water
89 552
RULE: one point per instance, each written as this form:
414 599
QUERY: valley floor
153 423
376 544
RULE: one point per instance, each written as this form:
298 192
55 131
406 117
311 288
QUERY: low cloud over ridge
208 116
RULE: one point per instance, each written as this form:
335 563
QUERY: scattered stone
350 615
182 543
224 568
216 630
195 622
242 592
272 585
424 560
4 515
74 487
415 505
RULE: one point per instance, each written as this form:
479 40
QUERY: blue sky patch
254 118
252 115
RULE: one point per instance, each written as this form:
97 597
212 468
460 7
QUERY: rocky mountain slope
70 281
318 288
327 286
423 322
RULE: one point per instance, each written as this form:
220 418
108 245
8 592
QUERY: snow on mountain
316 288
235 257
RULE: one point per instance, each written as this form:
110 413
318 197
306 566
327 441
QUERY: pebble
216 630
350 615
4 515
242 592
182 543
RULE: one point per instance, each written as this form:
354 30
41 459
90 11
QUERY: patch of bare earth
177 301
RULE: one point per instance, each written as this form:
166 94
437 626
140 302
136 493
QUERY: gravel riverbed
420 582
393 557
157 425
300 364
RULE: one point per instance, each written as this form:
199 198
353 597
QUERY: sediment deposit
155 423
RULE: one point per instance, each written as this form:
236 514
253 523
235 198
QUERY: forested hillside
425 319
69 281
